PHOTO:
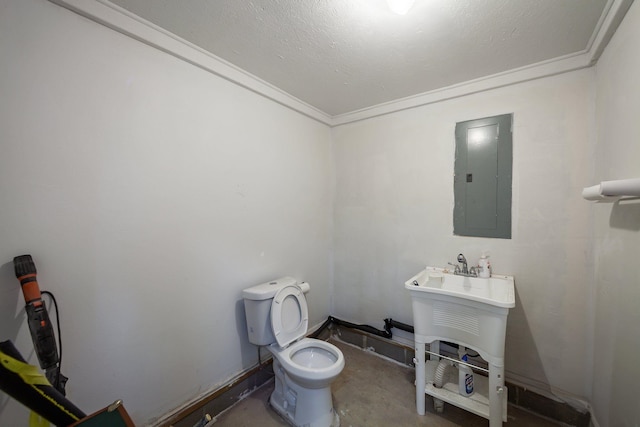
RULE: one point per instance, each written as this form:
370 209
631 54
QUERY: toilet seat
289 315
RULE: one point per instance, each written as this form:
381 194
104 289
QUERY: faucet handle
456 269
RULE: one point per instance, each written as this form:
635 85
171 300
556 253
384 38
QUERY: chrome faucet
462 260
464 271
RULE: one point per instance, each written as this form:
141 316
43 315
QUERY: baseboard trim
217 401
224 397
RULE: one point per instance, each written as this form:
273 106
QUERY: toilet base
302 407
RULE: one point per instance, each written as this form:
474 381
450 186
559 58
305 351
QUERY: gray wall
574 332
150 194
394 215
617 230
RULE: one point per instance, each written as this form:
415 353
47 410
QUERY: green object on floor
104 419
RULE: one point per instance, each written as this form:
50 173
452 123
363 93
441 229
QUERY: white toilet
277 317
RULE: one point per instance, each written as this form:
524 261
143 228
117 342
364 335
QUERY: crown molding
611 17
118 19
125 22
506 78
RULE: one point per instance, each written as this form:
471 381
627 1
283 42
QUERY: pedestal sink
469 311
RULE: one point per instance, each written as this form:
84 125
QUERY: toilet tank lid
267 290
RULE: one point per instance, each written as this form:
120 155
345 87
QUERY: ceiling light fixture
401 7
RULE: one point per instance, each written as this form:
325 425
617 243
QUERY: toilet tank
257 308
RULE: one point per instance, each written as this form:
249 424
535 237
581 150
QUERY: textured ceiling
344 55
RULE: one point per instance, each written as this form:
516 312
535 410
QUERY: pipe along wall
386 333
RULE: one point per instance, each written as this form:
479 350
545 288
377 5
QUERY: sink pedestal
488 401
467 311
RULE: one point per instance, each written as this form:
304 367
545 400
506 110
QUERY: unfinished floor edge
228 395
518 395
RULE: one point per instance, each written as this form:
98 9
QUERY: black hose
59 380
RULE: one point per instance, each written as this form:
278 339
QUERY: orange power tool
40 326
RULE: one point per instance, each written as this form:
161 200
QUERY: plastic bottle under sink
465 375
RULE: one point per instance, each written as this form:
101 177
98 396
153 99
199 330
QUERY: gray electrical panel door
482 181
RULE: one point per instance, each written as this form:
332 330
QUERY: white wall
617 230
150 193
394 215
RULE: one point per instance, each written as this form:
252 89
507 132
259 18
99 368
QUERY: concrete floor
371 391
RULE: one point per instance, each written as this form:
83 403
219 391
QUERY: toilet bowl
277 317
304 373
309 362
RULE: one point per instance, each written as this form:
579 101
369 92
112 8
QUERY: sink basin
467 310
497 290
